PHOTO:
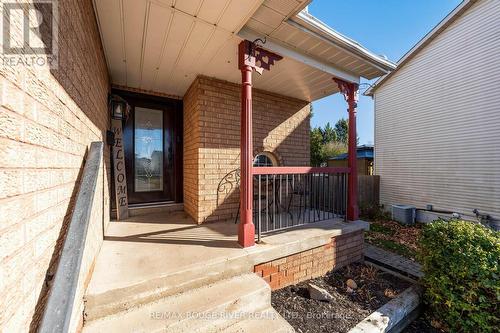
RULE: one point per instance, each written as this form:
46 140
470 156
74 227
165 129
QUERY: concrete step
148 258
148 209
268 320
207 309
116 300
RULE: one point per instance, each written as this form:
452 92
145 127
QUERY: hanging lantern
118 107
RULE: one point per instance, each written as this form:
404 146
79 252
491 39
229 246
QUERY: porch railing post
250 58
246 229
352 191
349 89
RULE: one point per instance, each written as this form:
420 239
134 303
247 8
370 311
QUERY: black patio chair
300 189
232 180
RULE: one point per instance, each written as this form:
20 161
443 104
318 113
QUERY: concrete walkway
388 259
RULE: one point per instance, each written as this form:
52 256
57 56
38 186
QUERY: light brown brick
47 120
211 141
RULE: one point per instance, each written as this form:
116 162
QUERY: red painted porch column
246 229
250 57
352 191
349 89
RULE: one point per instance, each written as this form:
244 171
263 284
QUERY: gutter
307 22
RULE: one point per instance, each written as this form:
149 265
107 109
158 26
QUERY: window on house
265 159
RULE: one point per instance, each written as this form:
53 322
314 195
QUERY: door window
148 150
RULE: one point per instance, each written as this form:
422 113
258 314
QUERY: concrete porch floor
152 256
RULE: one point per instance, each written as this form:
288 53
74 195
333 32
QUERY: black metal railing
59 308
286 197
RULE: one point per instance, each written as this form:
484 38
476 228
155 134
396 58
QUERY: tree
328 142
328 134
316 146
332 149
342 131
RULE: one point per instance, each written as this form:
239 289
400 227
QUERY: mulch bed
347 309
394 237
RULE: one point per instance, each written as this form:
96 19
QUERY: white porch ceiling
162 45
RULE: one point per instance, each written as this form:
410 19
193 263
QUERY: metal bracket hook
263 41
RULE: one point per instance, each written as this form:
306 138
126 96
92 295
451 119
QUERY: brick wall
212 141
192 138
312 263
47 120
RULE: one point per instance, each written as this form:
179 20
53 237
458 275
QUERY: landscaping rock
351 284
318 293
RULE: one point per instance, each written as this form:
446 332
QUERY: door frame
162 103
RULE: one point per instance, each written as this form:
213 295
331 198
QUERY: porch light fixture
118 107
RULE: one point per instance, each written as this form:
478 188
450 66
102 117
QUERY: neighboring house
437 119
364 160
185 70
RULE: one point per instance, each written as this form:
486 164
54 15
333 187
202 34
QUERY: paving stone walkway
391 260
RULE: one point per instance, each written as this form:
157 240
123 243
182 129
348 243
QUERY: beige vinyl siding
437 120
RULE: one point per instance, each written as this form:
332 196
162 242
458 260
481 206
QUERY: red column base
246 234
352 213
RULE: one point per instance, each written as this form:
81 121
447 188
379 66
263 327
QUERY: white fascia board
297 55
310 24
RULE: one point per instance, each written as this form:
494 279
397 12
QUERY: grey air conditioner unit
404 214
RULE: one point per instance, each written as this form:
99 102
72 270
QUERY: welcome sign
119 171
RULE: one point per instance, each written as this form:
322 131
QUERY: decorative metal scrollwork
229 182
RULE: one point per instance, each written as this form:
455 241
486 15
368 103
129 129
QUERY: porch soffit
162 45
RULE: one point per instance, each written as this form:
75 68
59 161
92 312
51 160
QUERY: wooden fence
330 190
368 190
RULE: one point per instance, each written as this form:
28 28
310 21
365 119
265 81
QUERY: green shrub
461 266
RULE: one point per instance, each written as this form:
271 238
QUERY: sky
386 27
